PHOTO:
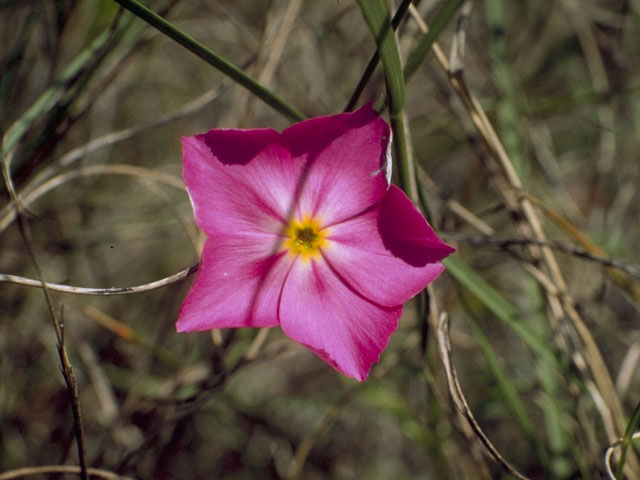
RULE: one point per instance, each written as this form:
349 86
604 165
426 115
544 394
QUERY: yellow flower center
306 237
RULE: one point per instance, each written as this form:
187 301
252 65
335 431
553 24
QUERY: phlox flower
304 231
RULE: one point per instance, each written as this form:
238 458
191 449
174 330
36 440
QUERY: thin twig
459 39
67 370
458 397
30 282
561 247
256 345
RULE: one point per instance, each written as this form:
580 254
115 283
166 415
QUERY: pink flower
305 232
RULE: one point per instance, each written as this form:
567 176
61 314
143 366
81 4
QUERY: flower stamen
306 237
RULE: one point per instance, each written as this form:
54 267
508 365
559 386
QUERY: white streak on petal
387 166
389 162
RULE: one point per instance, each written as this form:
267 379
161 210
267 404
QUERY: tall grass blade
213 59
376 13
499 305
442 18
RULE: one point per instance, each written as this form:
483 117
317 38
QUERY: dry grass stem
444 345
67 370
29 282
60 469
559 300
578 252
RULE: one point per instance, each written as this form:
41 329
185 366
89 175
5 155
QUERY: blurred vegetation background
94 102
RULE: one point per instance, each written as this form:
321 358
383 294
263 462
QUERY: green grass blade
48 97
373 62
507 388
213 59
406 170
509 391
376 13
499 305
627 439
442 18
560 442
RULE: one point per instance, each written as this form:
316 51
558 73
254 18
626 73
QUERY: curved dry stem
53 469
609 453
459 400
117 169
6 175
9 213
56 287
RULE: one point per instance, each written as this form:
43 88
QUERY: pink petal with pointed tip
389 253
344 329
345 158
239 181
238 284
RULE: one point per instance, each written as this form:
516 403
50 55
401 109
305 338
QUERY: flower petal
346 159
238 284
239 180
389 253
344 329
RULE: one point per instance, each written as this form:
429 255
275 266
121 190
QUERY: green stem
375 58
500 307
213 59
627 439
376 13
406 170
